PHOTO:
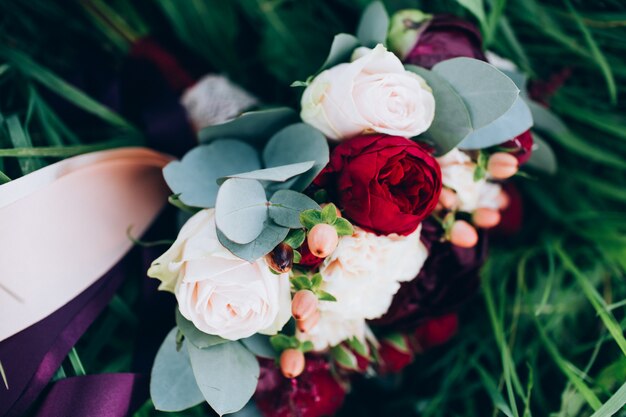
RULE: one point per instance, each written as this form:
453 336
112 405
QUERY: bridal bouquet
341 242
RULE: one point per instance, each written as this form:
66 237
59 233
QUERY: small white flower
374 93
457 173
221 294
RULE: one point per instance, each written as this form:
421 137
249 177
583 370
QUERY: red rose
393 358
385 184
522 146
446 37
315 393
436 331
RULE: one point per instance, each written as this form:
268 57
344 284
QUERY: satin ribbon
64 226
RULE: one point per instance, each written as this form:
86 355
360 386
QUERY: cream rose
374 93
221 294
457 173
363 274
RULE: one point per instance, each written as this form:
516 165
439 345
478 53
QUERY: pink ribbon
64 226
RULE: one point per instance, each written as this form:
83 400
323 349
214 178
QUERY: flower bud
448 198
308 323
502 165
292 363
304 304
463 234
322 240
280 259
503 200
486 217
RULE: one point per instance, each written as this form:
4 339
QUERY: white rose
332 329
221 294
457 173
374 93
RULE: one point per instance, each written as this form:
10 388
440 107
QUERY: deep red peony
385 184
436 331
446 37
315 393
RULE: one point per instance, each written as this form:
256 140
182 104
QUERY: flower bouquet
319 248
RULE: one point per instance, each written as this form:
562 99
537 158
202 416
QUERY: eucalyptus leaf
278 174
545 120
340 50
487 92
542 157
298 142
452 122
286 206
269 238
194 177
173 386
241 209
374 25
259 345
193 335
252 127
226 374
250 410
512 123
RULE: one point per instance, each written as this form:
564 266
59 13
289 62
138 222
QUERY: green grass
545 337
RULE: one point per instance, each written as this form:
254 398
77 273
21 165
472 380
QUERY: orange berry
322 240
304 304
503 200
463 234
486 217
308 323
448 198
292 362
502 165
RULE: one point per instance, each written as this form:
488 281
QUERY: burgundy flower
521 145
308 259
436 331
385 184
315 393
446 37
449 277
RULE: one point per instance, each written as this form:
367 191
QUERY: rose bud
502 165
448 199
280 259
522 145
384 184
304 304
315 393
436 331
307 324
322 240
393 357
292 363
463 234
425 42
486 218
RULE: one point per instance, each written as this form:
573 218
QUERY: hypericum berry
307 324
463 235
304 304
503 200
292 362
502 165
486 217
322 240
280 259
448 199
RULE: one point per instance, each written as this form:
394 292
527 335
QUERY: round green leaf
543 157
253 127
195 336
299 142
173 386
286 206
241 209
277 174
374 25
226 374
269 238
194 177
340 50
